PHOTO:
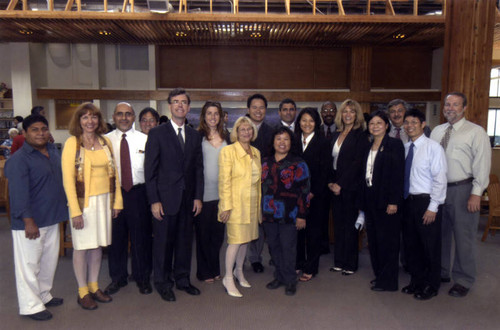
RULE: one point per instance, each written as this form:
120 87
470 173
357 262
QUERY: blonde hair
360 119
238 123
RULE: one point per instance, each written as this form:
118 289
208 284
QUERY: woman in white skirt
94 198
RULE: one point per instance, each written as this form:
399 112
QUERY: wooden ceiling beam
69 4
12 4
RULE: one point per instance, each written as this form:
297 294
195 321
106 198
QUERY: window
493 129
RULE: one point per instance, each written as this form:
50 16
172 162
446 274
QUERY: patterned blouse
285 186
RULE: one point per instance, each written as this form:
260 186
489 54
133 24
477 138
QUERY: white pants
35 264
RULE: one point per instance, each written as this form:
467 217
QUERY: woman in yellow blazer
94 197
239 204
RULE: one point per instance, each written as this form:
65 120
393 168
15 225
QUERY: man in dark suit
174 183
328 113
287 112
257 106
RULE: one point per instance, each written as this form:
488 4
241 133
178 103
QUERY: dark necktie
408 161
328 132
398 133
181 139
446 137
125 165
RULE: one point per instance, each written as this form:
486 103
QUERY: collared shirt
176 129
402 133
290 126
332 129
137 145
35 187
468 153
308 140
428 170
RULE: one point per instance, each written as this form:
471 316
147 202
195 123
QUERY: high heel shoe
243 282
232 292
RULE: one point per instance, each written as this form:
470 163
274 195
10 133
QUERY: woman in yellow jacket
94 197
239 205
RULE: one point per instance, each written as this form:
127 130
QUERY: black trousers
172 247
422 243
326 206
309 239
134 221
346 235
282 242
209 239
383 232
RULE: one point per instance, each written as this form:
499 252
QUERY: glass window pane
494 73
491 122
494 88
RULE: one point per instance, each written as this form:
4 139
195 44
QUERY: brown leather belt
461 182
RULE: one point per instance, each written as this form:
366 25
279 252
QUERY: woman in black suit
381 199
313 148
345 178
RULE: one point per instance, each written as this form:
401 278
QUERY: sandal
306 277
209 281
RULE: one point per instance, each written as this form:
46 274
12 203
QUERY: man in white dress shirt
424 192
287 112
135 219
468 154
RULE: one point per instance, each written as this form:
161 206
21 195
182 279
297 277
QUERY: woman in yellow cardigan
94 197
239 204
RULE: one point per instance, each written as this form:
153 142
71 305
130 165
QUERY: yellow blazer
69 182
235 180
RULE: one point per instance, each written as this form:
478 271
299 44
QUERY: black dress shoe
257 267
274 284
115 286
373 281
445 280
144 287
409 289
290 289
54 302
41 316
377 288
190 289
426 294
458 291
167 294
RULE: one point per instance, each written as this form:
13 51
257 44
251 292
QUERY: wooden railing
367 7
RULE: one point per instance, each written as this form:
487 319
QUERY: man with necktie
287 111
424 192
134 221
174 183
468 154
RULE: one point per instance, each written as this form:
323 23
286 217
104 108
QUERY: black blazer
169 171
263 142
349 164
388 173
318 160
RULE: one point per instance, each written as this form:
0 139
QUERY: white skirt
96 229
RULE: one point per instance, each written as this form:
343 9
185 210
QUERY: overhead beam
12 4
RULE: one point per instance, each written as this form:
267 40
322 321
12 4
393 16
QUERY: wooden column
361 69
468 48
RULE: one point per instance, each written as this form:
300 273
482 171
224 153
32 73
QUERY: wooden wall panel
253 68
285 69
234 68
401 68
331 68
184 66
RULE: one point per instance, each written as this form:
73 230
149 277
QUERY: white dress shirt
428 170
291 126
308 139
137 145
468 153
176 129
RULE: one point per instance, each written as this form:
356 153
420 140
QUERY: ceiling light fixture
26 32
180 34
399 36
104 33
255 35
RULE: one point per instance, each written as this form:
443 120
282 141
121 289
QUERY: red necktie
398 133
126 168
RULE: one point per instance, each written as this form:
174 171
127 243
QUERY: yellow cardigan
235 180
68 170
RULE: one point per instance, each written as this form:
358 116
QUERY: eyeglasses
124 114
183 102
332 110
148 121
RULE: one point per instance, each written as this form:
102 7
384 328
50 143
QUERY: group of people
258 183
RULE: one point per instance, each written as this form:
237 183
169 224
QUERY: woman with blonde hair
90 183
239 199
347 148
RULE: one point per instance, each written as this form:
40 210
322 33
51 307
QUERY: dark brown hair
203 128
74 125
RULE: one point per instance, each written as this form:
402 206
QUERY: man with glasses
134 220
148 118
396 110
328 113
